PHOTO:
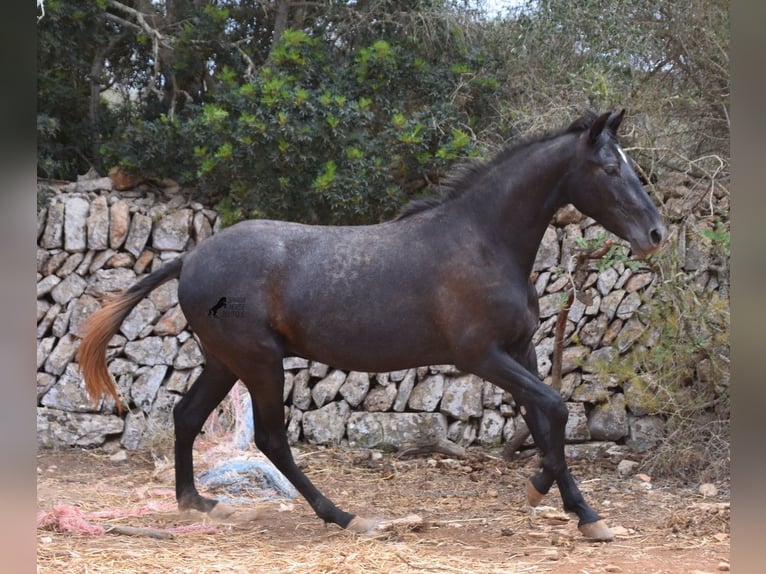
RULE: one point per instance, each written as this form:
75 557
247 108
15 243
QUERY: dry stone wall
94 241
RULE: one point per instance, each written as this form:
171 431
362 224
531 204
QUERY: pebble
708 490
724 566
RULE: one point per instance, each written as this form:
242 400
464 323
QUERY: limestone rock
491 428
110 281
62 355
427 394
326 389
576 429
53 236
380 398
138 235
171 323
172 232
355 388
56 428
549 252
70 288
145 387
462 397
189 355
68 394
326 425
75 216
119 223
97 224
46 285
394 430
406 385
609 420
152 350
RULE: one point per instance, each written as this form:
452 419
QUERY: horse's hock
93 241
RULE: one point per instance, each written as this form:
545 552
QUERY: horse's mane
457 182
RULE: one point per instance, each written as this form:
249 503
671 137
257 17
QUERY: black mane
456 183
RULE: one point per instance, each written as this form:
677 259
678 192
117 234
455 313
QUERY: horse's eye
612 169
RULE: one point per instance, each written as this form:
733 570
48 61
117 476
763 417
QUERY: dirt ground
473 520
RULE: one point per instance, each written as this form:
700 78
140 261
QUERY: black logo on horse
221 304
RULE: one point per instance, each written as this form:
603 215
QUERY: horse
446 281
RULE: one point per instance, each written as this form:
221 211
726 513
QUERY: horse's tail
102 325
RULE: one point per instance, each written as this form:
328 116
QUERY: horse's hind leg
189 415
265 381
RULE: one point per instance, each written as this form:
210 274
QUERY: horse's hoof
596 531
360 525
534 497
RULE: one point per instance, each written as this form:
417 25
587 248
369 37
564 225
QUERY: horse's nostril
657 235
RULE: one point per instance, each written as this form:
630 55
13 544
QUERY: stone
121 260
138 235
294 363
609 420
645 432
301 390
491 428
189 355
201 227
641 396
287 385
629 334
172 232
295 426
426 394
593 331
70 288
61 355
53 236
326 425
141 316
61 323
463 433
75 215
462 397
172 322
394 430
590 390
56 428
44 348
610 302
82 268
159 422
71 264
68 394
44 383
355 388
165 296
42 257
97 224
576 429
119 223
550 305
491 395
96 184
143 261
318 370
53 262
600 359
593 450
82 308
110 281
406 384
325 390
627 467
152 350
628 306
178 381
145 386
549 251
380 398
567 215
46 285
572 358
568 384
638 281
606 281
42 216
47 320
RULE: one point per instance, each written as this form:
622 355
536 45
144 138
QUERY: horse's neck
525 195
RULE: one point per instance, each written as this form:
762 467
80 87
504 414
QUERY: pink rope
68 519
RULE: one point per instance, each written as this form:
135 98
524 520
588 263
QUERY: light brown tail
102 325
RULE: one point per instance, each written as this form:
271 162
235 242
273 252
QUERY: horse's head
603 185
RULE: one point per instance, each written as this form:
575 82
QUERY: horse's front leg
546 416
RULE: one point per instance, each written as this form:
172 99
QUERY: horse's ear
615 120
597 128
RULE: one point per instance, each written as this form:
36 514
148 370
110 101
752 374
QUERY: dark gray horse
445 282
